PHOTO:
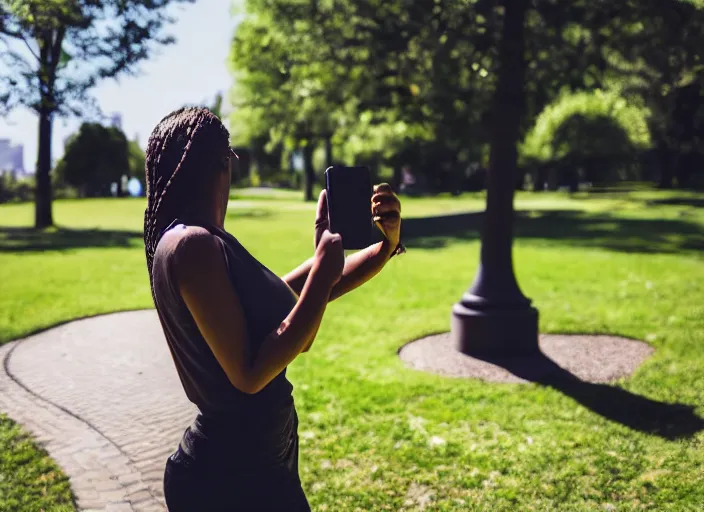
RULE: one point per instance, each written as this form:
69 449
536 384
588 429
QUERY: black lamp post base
495 332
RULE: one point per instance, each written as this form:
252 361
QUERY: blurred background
584 117
610 93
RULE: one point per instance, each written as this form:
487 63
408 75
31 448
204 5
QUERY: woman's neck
209 214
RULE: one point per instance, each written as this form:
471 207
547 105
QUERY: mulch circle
591 358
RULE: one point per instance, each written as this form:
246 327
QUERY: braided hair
185 150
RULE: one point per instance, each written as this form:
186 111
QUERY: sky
191 71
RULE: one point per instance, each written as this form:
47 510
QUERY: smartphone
349 192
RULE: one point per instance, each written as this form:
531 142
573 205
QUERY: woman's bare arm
202 277
360 267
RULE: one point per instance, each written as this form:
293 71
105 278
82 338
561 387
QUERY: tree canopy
388 81
52 52
95 158
55 51
545 141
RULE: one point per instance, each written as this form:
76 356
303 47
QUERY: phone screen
349 192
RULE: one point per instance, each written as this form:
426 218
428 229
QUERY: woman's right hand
329 259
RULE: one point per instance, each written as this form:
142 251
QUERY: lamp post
494 318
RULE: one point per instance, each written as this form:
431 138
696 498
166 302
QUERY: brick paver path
103 397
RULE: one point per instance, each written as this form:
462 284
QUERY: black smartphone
349 192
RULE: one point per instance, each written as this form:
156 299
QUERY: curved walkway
103 397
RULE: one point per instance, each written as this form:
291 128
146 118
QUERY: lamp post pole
494 318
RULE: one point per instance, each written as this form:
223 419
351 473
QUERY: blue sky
190 71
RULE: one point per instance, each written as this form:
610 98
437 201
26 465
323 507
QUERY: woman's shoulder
188 245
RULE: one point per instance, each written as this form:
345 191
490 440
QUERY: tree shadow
438 231
19 239
249 213
694 202
59 239
567 226
669 421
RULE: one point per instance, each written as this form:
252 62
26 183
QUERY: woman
233 326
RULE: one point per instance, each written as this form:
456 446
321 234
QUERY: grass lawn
377 436
29 479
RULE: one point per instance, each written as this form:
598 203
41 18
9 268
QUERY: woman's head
187 171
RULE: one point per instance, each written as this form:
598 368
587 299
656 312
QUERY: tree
381 79
284 83
55 51
136 161
95 158
308 72
597 131
661 63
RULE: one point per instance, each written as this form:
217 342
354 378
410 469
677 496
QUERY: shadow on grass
249 213
568 226
58 239
15 239
669 421
693 202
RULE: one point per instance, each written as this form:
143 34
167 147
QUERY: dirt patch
591 358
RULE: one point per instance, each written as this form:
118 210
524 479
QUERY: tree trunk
494 317
685 164
309 171
666 175
42 196
50 54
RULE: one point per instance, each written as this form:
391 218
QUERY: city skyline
11 157
191 71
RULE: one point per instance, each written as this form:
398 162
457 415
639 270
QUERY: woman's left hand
386 211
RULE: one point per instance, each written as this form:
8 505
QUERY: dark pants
189 487
216 480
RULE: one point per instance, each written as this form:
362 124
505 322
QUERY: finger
384 193
331 236
383 188
387 217
322 210
386 199
378 208
386 208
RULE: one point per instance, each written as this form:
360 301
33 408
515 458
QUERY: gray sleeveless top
266 300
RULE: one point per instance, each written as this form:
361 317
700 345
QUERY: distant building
11 157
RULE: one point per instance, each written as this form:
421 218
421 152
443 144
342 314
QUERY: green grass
29 479
623 263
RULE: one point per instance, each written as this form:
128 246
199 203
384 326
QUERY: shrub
96 157
595 134
16 189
